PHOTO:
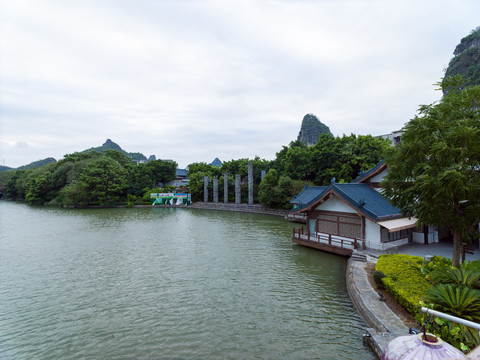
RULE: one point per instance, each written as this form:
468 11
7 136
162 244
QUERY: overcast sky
191 80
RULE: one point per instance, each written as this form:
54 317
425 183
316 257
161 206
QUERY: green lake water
153 283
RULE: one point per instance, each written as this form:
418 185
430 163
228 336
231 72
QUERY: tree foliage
295 165
434 173
342 158
103 182
89 178
107 175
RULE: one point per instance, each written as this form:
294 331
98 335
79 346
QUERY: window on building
347 225
395 235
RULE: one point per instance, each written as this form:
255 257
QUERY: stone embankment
383 324
255 209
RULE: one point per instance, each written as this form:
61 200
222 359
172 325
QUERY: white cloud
193 80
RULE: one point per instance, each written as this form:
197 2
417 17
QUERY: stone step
359 257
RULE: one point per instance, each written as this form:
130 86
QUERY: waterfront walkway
383 324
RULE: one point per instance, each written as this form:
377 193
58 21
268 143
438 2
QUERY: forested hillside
466 61
89 178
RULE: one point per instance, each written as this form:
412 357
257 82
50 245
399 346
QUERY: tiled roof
366 175
308 194
181 172
367 200
359 196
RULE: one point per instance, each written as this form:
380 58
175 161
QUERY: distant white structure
395 137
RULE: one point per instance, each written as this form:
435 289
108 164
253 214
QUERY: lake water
168 284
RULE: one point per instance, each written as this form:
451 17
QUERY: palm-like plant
461 276
460 301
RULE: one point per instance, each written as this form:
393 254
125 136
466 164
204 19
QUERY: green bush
436 263
455 292
403 280
461 276
377 277
457 335
474 264
460 301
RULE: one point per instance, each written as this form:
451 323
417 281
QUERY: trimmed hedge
403 279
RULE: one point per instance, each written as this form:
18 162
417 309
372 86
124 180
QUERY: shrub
437 262
403 280
147 192
377 277
455 292
459 301
457 335
461 276
473 265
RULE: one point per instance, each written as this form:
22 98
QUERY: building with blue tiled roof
347 216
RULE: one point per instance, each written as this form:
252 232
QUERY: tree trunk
457 243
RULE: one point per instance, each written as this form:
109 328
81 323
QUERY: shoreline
245 208
383 325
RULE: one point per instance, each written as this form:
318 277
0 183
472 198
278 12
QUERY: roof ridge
368 172
363 207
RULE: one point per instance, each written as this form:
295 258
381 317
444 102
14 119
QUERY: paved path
442 249
383 324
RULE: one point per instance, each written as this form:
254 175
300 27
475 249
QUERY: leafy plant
460 301
459 336
437 262
377 277
431 170
457 276
456 300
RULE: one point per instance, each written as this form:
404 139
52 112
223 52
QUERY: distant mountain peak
311 130
110 145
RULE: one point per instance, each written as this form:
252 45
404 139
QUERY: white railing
329 239
452 318
297 217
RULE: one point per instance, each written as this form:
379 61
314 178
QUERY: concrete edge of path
384 324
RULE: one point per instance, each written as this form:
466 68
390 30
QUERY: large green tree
162 171
298 161
434 173
196 173
343 158
103 181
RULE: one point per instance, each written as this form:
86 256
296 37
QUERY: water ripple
168 283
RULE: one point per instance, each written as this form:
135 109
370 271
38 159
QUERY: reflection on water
168 283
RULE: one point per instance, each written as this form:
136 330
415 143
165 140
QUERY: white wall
335 204
432 236
373 237
379 177
372 234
